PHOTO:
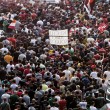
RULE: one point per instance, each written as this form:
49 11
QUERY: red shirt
21 69
23 16
105 20
79 75
12 40
97 56
26 71
33 15
42 72
10 92
19 93
62 104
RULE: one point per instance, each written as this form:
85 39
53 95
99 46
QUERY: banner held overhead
58 37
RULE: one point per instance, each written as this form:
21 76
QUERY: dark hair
103 81
105 75
48 74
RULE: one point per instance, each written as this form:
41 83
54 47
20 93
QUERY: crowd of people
35 75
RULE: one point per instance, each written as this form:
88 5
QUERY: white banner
58 37
59 40
58 33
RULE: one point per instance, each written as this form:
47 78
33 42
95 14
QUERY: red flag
102 27
12 25
89 4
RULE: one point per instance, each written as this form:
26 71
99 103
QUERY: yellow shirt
44 87
8 58
50 52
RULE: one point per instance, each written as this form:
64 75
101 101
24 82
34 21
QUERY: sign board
50 1
59 40
58 37
58 33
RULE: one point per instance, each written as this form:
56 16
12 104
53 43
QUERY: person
13 86
8 58
21 57
5 105
67 73
78 92
54 108
94 74
26 98
10 66
83 104
13 100
107 73
99 101
4 50
5 96
17 79
31 107
44 86
92 107
2 91
38 95
62 103
3 73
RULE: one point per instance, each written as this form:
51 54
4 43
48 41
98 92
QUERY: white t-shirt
57 77
74 78
40 23
1 18
17 65
31 108
71 69
1 33
108 74
17 79
52 91
17 26
8 67
94 74
107 40
33 41
31 51
13 86
6 42
39 39
67 49
45 74
93 108
54 108
57 53
90 40
4 50
104 87
21 57
58 98
5 95
99 80
83 105
107 0
67 74
43 56
47 41
99 61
